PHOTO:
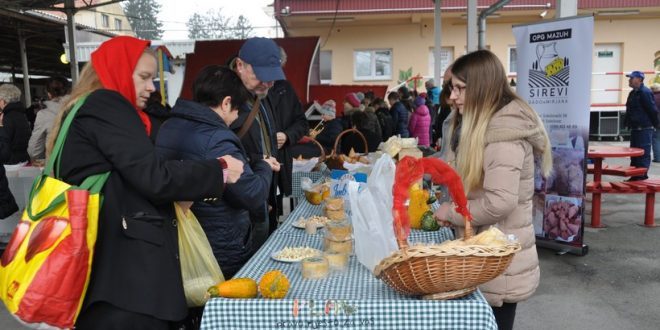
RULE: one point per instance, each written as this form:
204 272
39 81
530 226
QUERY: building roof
320 7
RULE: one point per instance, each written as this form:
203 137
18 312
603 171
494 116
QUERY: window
117 24
105 20
446 55
513 59
326 66
372 64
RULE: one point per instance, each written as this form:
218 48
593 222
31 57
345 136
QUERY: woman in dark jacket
15 123
136 275
199 130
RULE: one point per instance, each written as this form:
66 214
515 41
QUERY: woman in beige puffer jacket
493 142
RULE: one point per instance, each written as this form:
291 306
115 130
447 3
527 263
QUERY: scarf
114 62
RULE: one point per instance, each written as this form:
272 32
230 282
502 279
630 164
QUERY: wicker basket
333 160
444 272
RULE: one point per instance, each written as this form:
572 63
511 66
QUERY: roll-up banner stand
554 77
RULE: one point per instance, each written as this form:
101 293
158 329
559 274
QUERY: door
607 58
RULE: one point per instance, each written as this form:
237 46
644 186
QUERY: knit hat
329 108
419 101
352 99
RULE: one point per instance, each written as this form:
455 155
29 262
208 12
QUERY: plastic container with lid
339 230
315 267
337 261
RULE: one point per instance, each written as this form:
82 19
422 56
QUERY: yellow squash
417 206
274 285
235 288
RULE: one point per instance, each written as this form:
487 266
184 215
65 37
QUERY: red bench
618 170
648 187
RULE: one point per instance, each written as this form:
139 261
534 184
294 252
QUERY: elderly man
641 118
259 65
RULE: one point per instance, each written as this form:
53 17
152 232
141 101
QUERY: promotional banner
554 77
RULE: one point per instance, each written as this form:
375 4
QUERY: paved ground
615 286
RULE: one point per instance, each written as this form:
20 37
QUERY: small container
315 267
339 230
337 261
310 227
340 246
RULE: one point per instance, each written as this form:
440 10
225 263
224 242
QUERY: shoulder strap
93 183
250 118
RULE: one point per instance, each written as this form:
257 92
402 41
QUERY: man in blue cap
641 118
259 65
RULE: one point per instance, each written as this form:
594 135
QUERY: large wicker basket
333 160
444 272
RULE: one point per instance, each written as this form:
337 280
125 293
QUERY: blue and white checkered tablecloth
353 299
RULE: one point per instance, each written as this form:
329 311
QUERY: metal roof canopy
24 32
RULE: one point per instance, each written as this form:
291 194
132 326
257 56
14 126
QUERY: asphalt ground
616 286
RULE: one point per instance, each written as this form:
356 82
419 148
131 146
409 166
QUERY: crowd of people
227 155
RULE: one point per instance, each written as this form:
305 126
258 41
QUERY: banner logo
550 72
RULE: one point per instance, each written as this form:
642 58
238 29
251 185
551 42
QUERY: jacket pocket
145 227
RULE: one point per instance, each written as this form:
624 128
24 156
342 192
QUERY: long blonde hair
487 91
88 82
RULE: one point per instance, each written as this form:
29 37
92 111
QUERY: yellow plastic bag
199 268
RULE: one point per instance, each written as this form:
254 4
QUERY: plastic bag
306 165
199 268
371 214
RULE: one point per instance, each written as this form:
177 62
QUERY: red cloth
114 62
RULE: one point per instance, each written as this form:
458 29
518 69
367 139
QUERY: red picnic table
597 154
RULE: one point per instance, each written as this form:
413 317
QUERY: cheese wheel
337 261
315 267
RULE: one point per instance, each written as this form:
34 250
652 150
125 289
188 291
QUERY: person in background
8 204
259 65
369 98
135 280
399 115
641 118
385 120
351 104
56 89
499 175
656 135
406 99
433 92
442 120
291 125
198 130
420 121
331 127
15 123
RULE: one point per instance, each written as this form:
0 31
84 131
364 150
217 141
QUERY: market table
354 299
597 154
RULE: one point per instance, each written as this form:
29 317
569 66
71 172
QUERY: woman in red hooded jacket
136 278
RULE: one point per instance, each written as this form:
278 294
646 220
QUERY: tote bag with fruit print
44 271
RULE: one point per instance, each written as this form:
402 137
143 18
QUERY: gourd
428 222
235 288
417 205
274 285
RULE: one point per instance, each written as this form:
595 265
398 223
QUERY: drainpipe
482 20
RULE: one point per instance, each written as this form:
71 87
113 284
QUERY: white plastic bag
371 214
306 165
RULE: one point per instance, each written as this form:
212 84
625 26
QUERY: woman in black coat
136 277
8 204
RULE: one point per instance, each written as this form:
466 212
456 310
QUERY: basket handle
468 228
322 156
354 130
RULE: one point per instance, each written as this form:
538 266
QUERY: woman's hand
234 168
442 215
274 164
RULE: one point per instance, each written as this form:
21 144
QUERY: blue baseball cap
264 56
636 74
